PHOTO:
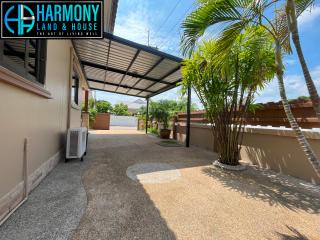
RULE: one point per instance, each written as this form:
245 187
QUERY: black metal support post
188 118
147 115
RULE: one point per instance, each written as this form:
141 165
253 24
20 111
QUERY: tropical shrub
226 87
171 106
92 116
162 115
153 131
162 111
120 109
103 106
232 17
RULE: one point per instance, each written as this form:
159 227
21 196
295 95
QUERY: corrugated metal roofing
116 65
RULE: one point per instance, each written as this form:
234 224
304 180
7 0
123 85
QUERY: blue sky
136 17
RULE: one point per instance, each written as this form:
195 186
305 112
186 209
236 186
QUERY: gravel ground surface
53 210
202 202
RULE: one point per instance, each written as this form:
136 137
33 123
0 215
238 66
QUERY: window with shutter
75 87
25 57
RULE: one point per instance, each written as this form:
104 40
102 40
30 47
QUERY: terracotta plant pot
165 133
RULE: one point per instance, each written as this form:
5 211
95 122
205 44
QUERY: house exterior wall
271 148
40 120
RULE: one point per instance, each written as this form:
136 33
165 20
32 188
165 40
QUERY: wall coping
266 130
16 80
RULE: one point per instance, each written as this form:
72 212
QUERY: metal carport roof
117 65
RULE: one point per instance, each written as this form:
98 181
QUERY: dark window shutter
41 60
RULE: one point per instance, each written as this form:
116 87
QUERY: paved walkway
172 193
53 210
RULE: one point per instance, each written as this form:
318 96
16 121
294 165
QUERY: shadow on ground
118 208
53 209
294 235
257 184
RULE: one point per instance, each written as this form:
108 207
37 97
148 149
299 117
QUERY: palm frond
226 40
281 22
209 13
302 5
282 30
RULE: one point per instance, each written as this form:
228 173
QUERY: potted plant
162 116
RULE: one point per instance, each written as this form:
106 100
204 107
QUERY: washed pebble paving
153 173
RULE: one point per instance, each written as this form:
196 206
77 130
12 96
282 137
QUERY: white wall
123 121
273 148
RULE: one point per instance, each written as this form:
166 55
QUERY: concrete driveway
175 193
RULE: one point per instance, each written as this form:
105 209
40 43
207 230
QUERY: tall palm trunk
293 27
293 123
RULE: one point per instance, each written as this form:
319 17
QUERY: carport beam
188 117
147 115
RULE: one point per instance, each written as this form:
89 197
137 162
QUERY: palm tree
227 90
292 11
234 16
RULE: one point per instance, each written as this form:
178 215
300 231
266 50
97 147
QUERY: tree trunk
293 123
293 27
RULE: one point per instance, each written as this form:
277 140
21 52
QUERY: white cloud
295 87
316 76
309 16
290 62
134 26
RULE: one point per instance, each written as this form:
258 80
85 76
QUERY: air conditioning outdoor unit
76 143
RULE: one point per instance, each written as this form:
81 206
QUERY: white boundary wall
268 147
123 121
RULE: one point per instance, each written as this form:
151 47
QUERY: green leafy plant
160 109
304 98
162 116
141 114
153 131
252 108
92 116
162 112
120 109
226 88
103 106
235 16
